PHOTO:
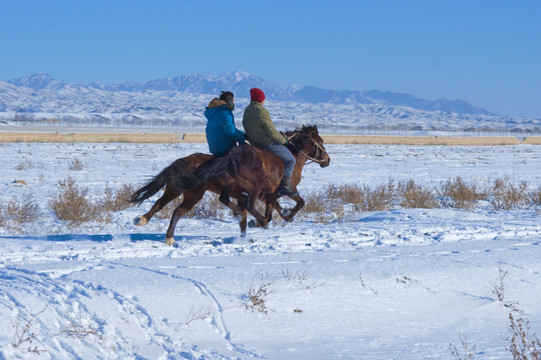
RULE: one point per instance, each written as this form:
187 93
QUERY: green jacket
259 128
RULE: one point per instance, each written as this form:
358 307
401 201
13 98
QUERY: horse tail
209 169
177 174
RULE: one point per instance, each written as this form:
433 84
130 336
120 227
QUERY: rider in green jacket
261 132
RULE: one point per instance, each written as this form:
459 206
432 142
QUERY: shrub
27 164
209 207
378 199
75 164
414 196
117 201
536 196
257 295
71 204
521 342
456 193
507 196
15 213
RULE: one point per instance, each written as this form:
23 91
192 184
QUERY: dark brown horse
246 173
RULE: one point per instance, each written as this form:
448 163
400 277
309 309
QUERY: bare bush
536 196
117 201
414 196
81 328
257 296
25 165
24 333
521 342
209 207
456 193
378 199
314 203
201 314
75 165
465 351
72 204
16 212
508 196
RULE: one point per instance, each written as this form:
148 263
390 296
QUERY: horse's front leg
288 214
169 194
191 198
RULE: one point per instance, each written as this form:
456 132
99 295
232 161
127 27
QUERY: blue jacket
221 132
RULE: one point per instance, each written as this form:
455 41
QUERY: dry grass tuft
536 196
508 196
414 196
75 165
456 193
117 201
72 204
521 342
17 212
257 295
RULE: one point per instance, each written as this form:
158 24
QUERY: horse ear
315 128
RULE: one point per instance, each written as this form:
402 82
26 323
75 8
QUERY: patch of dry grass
507 196
458 194
16 212
414 196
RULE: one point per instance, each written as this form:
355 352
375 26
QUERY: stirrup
285 190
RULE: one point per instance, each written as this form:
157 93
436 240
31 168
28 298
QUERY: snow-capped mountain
180 101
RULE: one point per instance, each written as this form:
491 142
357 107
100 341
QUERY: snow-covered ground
398 284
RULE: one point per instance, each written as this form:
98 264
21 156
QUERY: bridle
320 151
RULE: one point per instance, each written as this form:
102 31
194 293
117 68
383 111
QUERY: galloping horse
244 170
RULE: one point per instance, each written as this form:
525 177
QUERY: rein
320 150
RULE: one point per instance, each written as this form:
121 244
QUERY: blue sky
487 52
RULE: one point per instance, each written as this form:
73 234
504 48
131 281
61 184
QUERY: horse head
307 142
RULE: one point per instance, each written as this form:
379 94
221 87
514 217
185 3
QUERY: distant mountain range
180 101
240 82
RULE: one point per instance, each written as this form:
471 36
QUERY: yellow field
55 137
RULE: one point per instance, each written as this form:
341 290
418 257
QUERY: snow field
398 284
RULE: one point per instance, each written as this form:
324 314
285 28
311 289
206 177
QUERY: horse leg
224 199
288 214
169 194
243 222
250 206
191 198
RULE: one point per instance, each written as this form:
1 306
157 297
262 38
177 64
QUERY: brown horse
245 173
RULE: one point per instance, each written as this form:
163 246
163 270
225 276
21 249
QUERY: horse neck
300 161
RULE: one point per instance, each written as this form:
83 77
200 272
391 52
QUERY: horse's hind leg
169 194
250 206
224 199
191 198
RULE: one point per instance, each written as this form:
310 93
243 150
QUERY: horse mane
298 142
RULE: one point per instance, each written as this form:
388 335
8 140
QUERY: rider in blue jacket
221 132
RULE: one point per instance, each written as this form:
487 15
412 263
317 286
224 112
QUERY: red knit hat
257 95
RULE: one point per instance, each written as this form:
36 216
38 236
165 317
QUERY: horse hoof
242 234
252 224
169 241
285 212
140 221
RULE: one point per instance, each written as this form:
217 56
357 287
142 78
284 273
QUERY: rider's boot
285 187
